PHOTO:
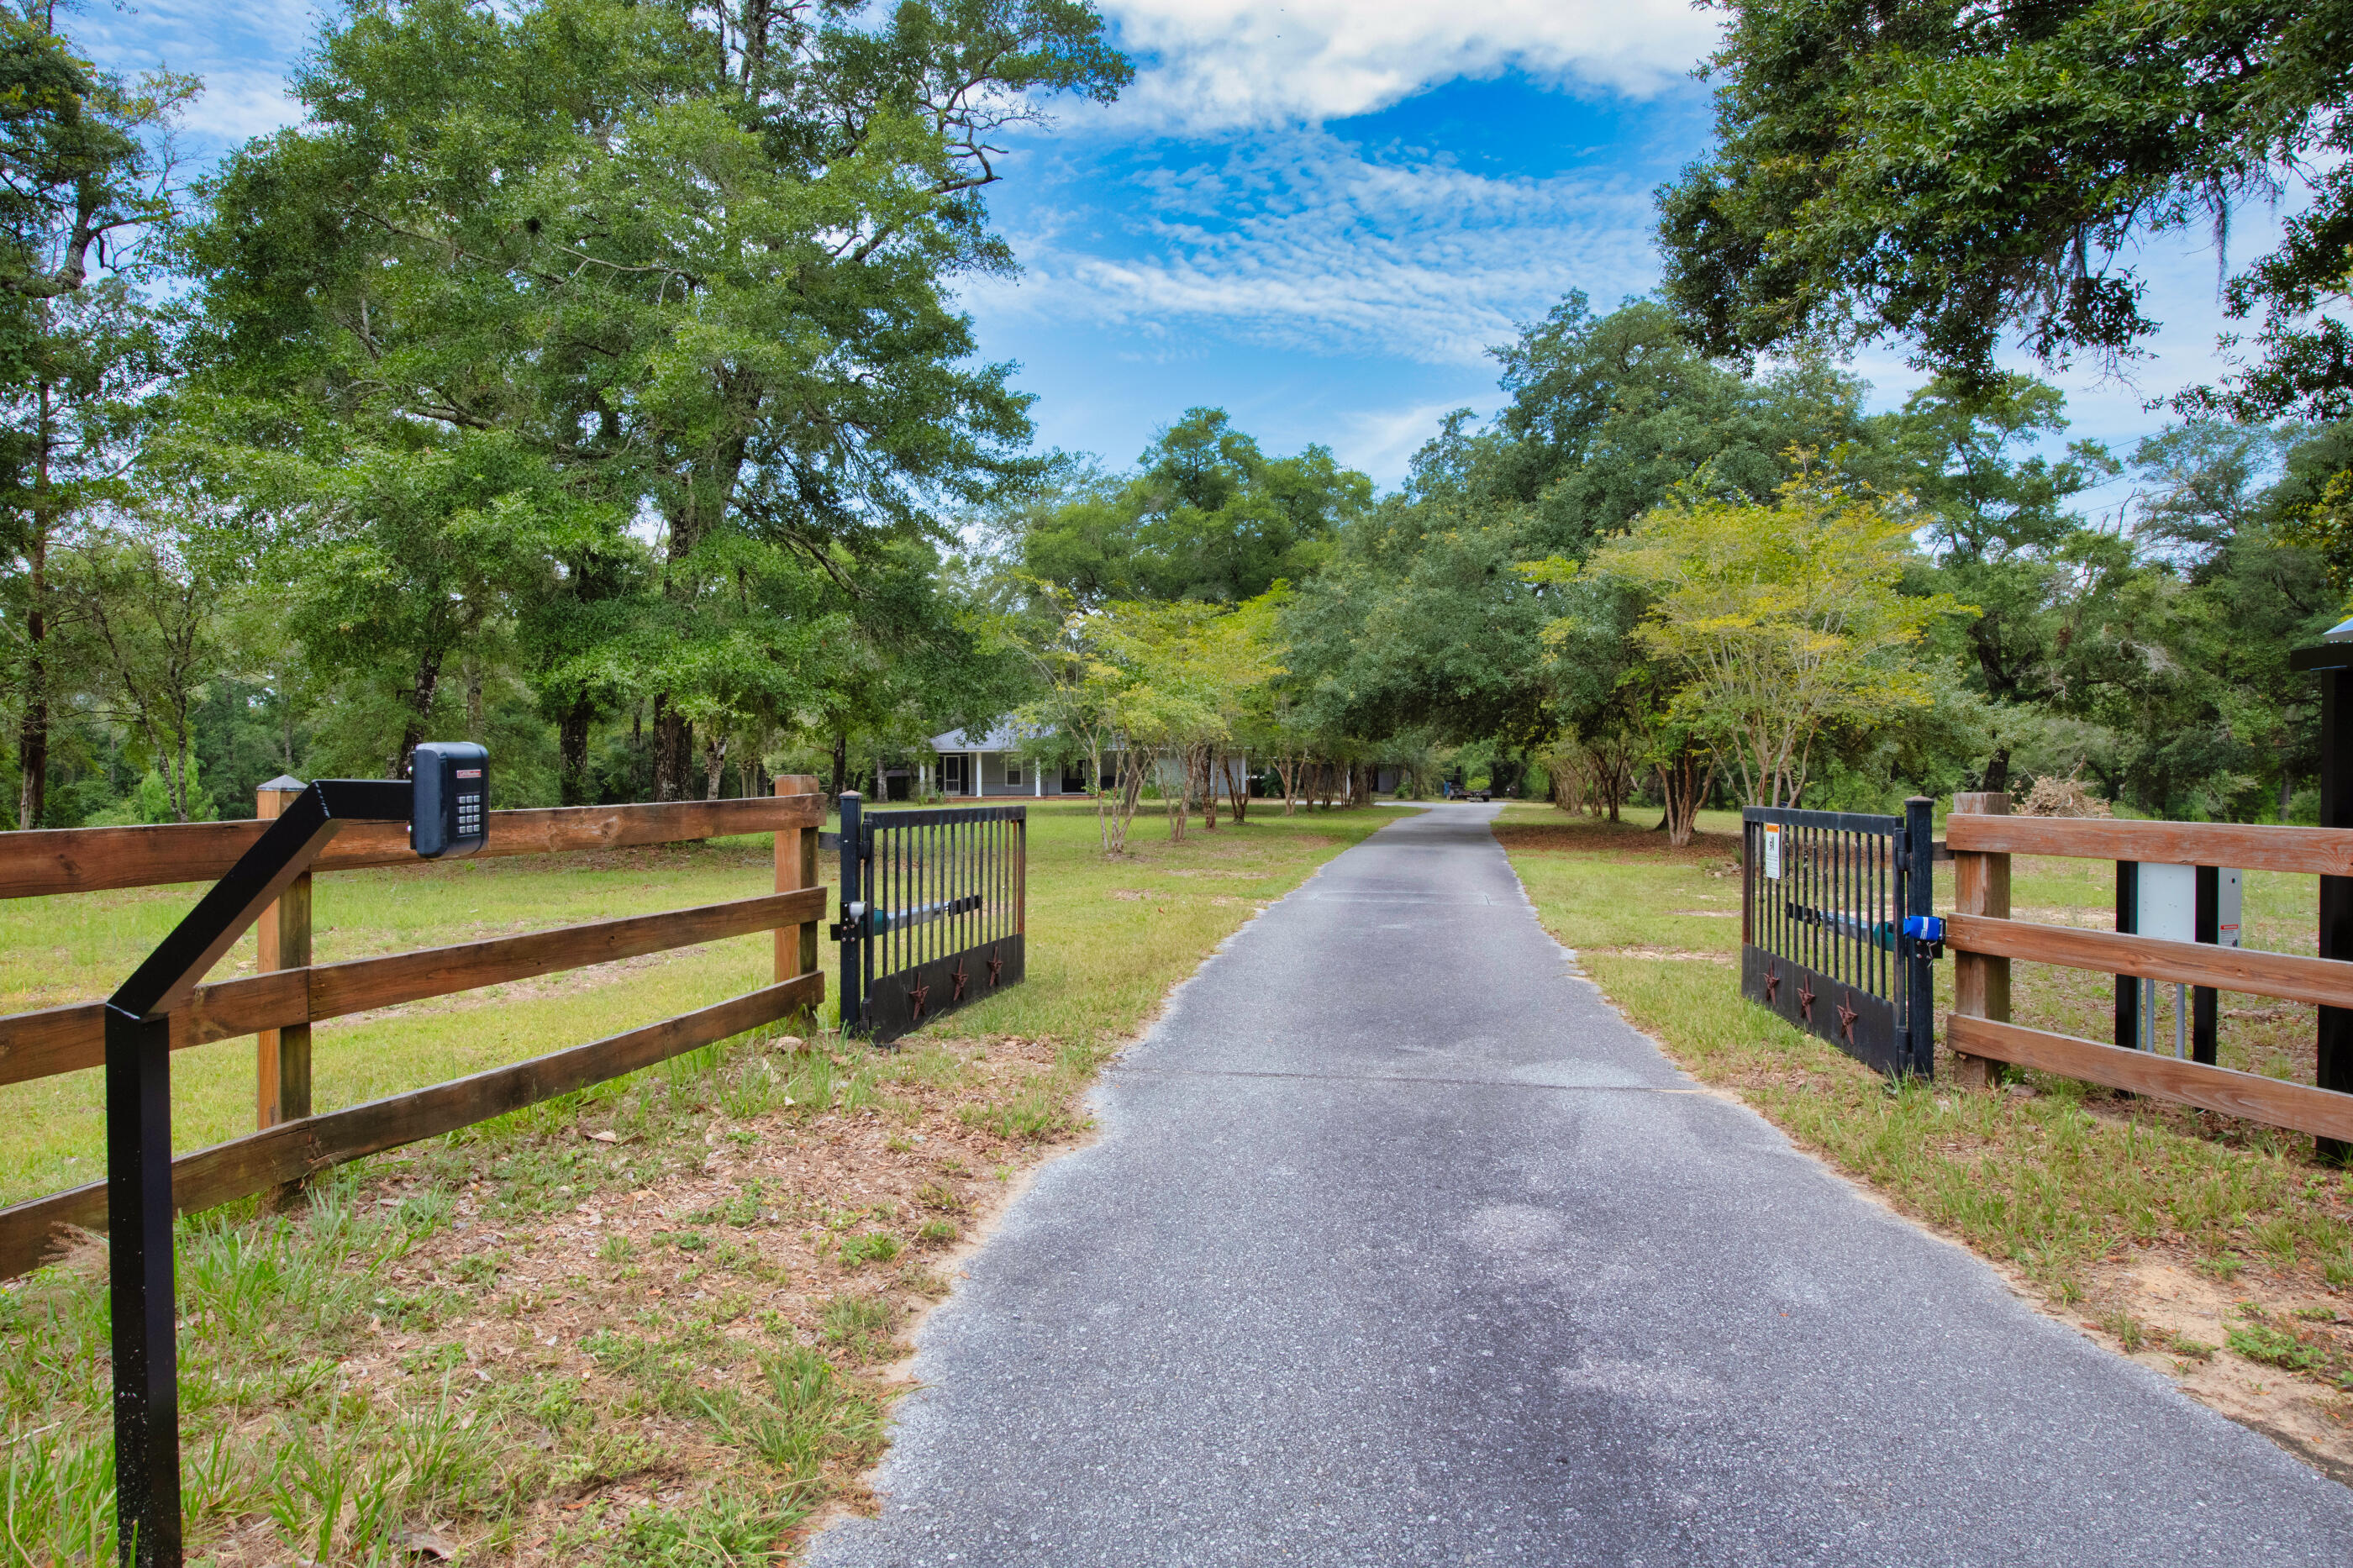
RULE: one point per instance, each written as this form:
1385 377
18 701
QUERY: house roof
1002 736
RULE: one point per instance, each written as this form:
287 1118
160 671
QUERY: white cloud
1382 442
1206 64
242 52
1300 241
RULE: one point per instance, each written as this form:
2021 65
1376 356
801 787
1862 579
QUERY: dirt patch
1669 954
1620 842
834 1232
2224 1343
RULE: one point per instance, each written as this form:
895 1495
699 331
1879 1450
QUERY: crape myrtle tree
1778 621
690 261
88 183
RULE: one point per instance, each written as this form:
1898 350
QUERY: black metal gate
931 912
1835 935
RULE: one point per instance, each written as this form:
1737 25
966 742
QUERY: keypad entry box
450 816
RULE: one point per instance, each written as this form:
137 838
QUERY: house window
1013 770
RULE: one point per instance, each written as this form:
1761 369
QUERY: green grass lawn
1105 939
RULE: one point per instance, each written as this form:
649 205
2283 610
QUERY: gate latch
1929 928
850 926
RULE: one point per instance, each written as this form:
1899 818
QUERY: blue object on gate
1925 928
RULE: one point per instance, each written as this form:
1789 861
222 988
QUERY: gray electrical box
2226 908
449 813
2169 902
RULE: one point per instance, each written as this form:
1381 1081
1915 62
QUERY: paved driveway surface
1399 1246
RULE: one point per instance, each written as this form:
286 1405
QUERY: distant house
992 764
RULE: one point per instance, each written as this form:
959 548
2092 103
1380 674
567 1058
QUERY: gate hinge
850 926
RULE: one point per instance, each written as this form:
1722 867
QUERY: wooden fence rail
90 859
279 1003
1985 940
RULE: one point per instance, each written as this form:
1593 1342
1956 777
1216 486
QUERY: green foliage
1779 621
1945 172
1205 516
589 262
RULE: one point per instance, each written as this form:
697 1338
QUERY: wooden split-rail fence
1985 939
278 1005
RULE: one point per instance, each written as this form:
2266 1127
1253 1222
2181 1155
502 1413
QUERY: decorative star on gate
996 966
1847 1014
1772 983
916 996
959 977
1806 1000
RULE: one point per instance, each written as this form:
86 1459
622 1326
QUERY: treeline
579 375
1653 573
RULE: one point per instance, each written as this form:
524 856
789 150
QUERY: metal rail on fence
932 905
1835 930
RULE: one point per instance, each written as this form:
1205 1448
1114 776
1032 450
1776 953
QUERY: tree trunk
674 751
715 765
1997 773
420 709
32 734
1210 760
1686 778
1237 794
841 765
571 755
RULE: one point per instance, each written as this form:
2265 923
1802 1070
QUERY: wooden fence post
282 1056
1980 983
795 869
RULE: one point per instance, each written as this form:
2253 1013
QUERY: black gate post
1919 900
2128 986
853 894
2333 662
140 1287
2204 1003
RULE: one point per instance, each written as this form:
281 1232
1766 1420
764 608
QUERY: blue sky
1316 214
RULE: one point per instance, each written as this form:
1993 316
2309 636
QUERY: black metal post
2204 1012
139 1246
139 1208
1919 898
2335 1042
2129 986
853 850
2333 662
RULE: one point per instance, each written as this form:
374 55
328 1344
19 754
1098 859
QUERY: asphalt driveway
1401 1246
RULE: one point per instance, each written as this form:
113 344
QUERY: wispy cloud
1231 63
1300 241
1382 441
243 52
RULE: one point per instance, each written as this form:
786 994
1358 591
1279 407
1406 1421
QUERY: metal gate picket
932 905
1835 929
